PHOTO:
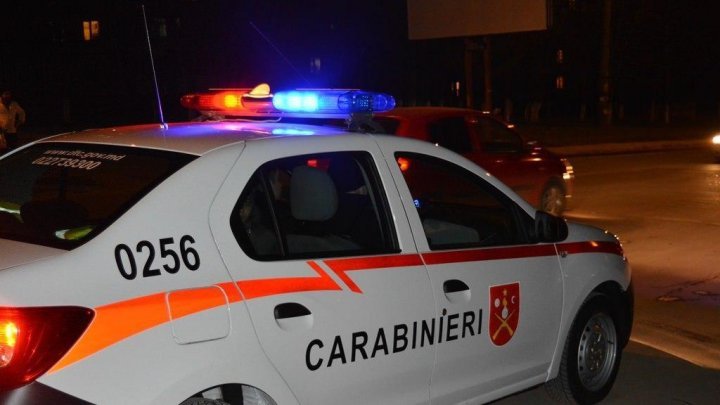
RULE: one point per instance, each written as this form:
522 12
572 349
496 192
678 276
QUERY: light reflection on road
665 207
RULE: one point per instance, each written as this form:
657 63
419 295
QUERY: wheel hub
597 351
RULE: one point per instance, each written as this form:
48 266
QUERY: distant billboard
429 19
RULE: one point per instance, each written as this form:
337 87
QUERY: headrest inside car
313 196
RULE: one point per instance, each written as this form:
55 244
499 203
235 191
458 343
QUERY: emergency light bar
311 103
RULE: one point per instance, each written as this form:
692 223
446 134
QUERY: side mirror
549 228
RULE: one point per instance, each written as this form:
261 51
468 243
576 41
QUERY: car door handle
290 310
452 286
456 291
291 316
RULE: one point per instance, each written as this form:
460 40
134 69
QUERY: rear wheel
553 199
203 401
231 394
591 356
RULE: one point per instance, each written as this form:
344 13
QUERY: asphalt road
647 376
665 207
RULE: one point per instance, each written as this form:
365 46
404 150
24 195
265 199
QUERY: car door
335 287
499 295
490 145
503 153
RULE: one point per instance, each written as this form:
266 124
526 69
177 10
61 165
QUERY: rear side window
459 209
60 194
329 204
496 137
451 133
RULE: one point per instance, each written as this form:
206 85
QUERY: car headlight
569 173
716 139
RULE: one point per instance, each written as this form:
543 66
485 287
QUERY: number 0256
172 257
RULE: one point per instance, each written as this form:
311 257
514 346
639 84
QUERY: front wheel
591 357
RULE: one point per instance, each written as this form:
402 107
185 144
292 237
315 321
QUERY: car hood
14 253
583 232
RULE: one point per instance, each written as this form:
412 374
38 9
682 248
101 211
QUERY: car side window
329 204
451 133
495 137
457 208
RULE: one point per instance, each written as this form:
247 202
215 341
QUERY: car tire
552 199
591 356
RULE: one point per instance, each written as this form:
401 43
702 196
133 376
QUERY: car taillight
33 339
569 172
404 163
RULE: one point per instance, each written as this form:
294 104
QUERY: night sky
662 52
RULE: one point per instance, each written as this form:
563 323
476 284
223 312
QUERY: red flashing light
32 340
230 101
220 101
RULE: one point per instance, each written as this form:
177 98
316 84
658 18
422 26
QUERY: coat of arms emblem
504 312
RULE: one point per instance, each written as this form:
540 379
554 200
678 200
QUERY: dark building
86 62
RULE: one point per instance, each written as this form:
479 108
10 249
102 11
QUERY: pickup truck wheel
591 357
553 200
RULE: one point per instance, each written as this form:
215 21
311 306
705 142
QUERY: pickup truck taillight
33 339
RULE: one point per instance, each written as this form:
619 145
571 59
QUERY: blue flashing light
296 101
332 101
292 131
363 101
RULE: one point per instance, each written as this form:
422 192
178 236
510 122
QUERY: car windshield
62 194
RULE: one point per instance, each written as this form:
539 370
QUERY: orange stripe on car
341 266
592 247
474 255
120 320
187 302
518 252
275 286
115 322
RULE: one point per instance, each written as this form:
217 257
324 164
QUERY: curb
627 147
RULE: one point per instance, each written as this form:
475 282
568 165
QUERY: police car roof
195 138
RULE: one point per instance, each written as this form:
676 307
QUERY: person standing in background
12 116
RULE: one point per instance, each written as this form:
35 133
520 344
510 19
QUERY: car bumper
628 311
568 178
37 393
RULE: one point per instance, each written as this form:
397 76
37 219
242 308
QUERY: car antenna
152 65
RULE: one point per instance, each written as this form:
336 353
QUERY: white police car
252 262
